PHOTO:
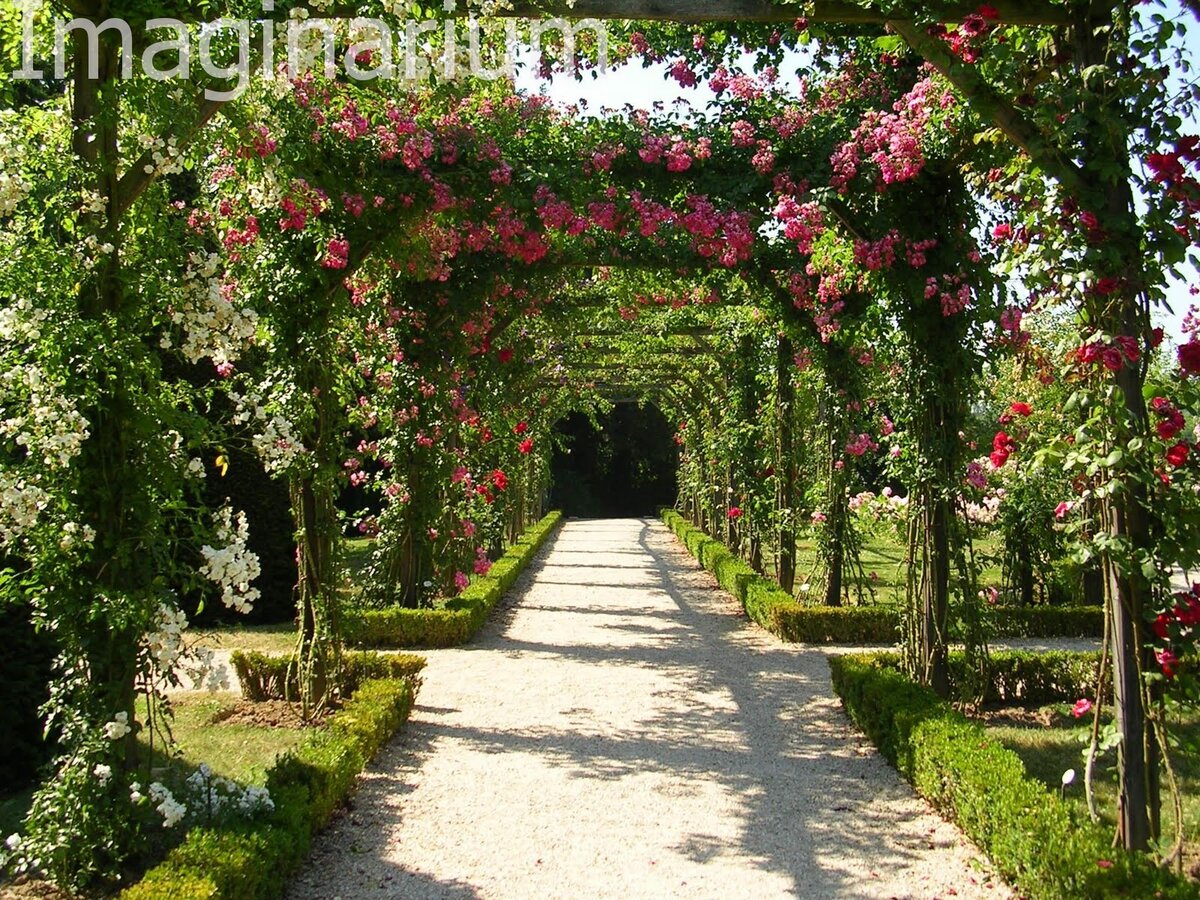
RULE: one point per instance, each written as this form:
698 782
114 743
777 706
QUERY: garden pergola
494 180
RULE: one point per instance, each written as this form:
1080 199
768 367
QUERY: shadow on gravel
812 801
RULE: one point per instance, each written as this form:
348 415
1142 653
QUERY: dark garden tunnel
622 465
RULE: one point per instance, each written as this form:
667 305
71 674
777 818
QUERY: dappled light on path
621 730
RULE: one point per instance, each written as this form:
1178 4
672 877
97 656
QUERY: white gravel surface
621 730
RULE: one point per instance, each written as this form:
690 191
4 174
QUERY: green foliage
264 677
837 624
251 861
1025 677
780 613
462 617
1030 835
1047 621
25 671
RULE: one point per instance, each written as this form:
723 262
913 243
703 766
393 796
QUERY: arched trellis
1089 175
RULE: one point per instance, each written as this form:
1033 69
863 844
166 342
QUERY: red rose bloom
521 428
1178 454
1189 357
1168 428
1129 347
1021 409
526 445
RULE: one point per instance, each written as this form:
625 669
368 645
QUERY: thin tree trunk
785 399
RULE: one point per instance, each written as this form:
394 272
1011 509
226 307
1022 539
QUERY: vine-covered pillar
785 462
839 376
1096 174
743 460
1126 516
314 509
110 642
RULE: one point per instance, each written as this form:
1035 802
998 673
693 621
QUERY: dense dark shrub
25 674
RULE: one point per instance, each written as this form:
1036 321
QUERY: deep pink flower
1082 707
1111 357
1189 357
735 512
337 255
1168 660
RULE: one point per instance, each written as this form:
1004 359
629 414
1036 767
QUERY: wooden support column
785 461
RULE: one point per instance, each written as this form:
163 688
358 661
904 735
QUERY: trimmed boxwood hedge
253 860
262 676
461 618
1032 837
779 612
774 608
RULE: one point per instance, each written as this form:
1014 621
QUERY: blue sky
645 87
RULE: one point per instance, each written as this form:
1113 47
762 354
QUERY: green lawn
357 554
281 638
1055 744
261 638
882 557
241 752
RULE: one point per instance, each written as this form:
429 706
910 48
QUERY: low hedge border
253 860
461 618
262 676
774 608
1032 837
779 612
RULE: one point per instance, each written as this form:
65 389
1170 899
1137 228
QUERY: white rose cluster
218 795
21 501
274 439
73 533
213 326
166 154
232 565
984 513
50 426
170 655
21 321
13 187
118 727
205 796
168 807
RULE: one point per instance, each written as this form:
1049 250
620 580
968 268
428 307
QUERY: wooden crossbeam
686 331
696 12
1012 12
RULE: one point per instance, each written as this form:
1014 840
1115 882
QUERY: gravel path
620 730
